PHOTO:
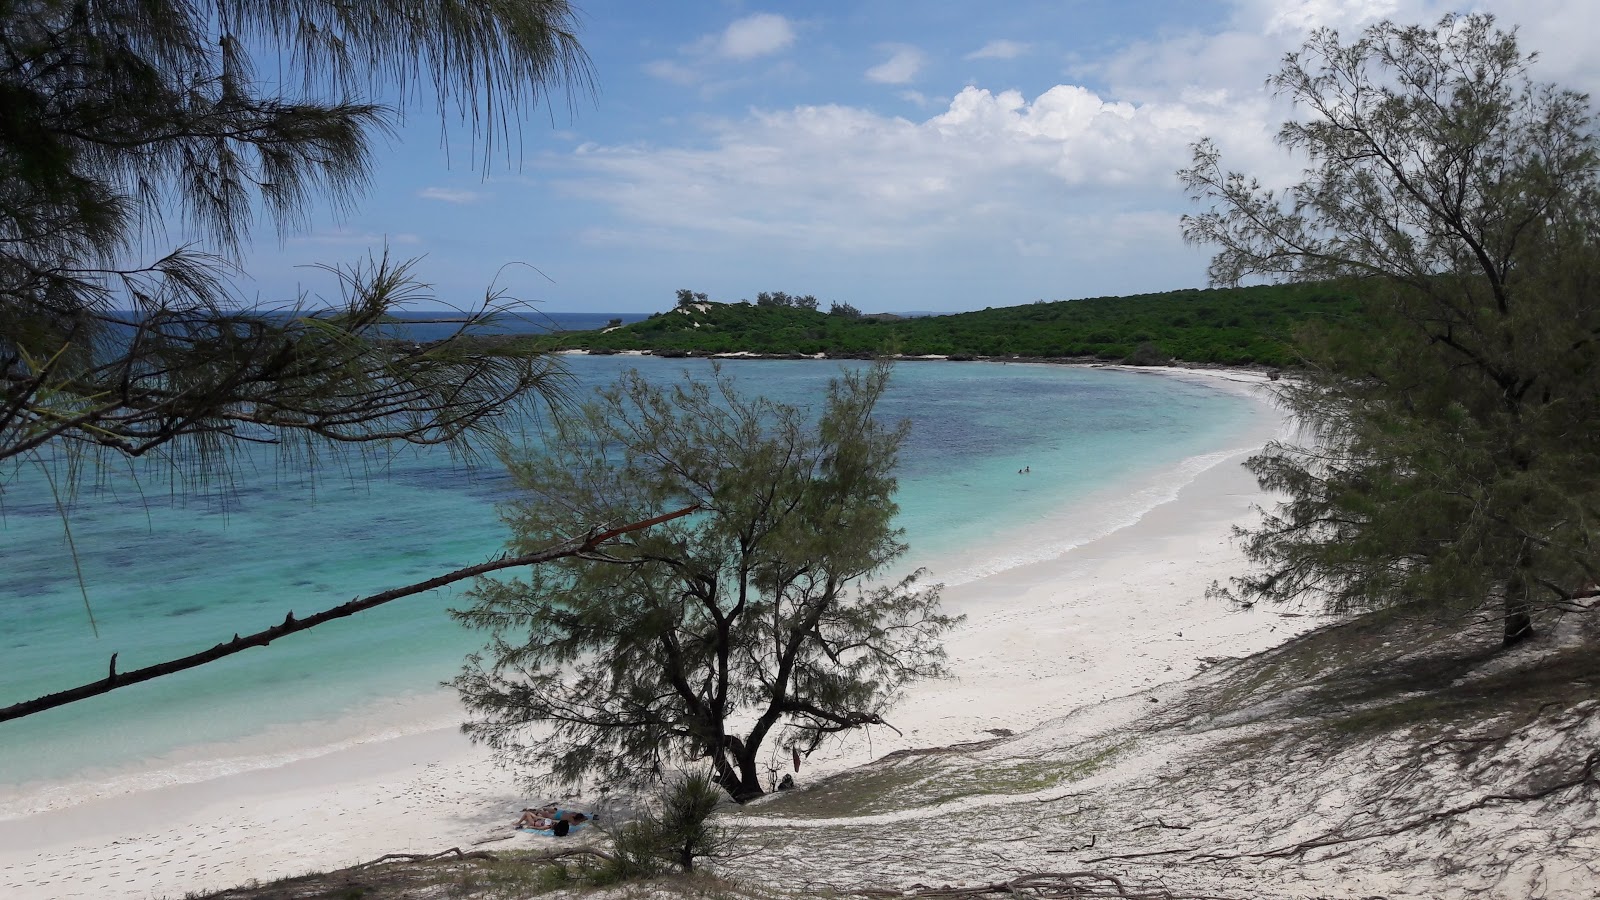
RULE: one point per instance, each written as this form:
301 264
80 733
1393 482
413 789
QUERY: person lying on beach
537 819
545 817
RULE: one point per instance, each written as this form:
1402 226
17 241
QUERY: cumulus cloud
901 67
1562 31
1238 56
1234 59
999 49
751 37
757 35
1072 183
843 178
450 195
1295 17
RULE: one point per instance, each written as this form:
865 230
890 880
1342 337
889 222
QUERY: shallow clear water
169 576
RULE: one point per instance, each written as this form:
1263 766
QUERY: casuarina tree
766 620
139 141
1448 459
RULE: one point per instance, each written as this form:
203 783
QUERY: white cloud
1297 17
989 166
1231 63
450 195
757 35
999 49
1562 31
667 70
1238 56
1061 193
900 68
762 34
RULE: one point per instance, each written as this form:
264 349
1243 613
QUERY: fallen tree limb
1043 885
1142 855
455 853
291 625
1161 823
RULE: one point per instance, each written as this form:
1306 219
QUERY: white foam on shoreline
276 746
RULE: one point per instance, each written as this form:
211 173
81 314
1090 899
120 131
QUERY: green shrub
673 835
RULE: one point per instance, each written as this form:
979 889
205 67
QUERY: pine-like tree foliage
750 622
1449 457
678 830
123 122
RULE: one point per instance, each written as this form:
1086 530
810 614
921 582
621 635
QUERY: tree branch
291 625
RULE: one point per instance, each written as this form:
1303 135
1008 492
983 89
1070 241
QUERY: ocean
522 320
170 570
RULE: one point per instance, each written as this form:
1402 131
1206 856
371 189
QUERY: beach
1112 616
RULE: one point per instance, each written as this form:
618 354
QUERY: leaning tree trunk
749 775
1518 619
724 774
739 775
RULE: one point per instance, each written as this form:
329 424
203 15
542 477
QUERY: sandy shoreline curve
1112 616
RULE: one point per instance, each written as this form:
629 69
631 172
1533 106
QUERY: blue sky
927 155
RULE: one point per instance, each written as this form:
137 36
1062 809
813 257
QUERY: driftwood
1161 823
1142 855
291 625
454 853
1043 885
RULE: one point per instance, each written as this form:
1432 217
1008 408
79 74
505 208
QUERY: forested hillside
1232 326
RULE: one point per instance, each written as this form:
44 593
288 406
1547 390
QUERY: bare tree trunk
724 774
1518 620
686 855
749 775
734 769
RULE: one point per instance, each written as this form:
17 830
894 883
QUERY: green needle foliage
707 637
126 122
678 831
1449 459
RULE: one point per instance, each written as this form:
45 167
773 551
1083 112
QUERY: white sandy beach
1114 616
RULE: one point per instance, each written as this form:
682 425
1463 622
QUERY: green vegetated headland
1232 326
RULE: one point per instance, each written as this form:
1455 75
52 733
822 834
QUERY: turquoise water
168 576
